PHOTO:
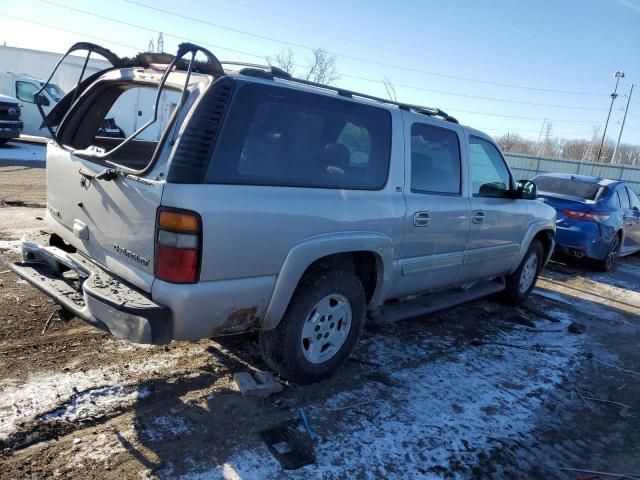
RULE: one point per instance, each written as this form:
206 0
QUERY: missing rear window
116 111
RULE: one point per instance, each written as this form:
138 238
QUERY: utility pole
615 150
619 74
160 44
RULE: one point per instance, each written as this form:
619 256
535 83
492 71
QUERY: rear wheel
320 328
609 261
520 283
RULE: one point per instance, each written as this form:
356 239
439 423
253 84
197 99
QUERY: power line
519 117
71 31
349 57
149 29
296 24
502 100
494 99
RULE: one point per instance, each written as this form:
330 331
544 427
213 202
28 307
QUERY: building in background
23 71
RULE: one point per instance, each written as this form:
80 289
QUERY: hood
8 99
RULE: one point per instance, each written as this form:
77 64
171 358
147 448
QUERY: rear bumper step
95 296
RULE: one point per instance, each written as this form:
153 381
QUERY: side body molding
304 254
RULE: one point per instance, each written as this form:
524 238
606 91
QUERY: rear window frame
210 179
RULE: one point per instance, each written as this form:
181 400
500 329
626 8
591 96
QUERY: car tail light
178 246
597 217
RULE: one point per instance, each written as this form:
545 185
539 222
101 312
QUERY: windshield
568 187
54 91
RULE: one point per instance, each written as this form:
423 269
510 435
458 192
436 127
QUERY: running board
424 304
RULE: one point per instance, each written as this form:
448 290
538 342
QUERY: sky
497 65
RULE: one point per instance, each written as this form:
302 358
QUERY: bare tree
284 59
322 67
390 88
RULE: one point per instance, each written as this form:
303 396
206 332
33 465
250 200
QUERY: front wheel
320 328
520 283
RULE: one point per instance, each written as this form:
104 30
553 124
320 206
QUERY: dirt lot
478 391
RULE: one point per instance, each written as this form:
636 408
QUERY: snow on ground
15 222
167 427
75 395
90 403
438 412
99 449
23 152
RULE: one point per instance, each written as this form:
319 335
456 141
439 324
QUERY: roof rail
275 72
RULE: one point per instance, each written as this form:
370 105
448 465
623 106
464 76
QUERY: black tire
3 141
609 261
282 347
513 293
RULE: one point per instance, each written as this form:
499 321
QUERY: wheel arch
543 230
369 254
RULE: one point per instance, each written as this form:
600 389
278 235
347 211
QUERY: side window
617 199
489 174
284 137
635 201
624 198
435 160
26 91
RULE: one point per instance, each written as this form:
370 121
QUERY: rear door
106 211
631 220
437 219
112 221
498 221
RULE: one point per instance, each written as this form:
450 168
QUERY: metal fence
528 166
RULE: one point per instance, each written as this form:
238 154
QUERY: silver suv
251 200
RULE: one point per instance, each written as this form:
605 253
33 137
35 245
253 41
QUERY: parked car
597 218
24 88
10 124
276 204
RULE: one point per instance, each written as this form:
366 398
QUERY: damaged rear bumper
94 295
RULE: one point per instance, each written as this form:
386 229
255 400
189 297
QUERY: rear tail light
597 217
178 246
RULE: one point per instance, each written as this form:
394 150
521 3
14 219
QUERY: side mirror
527 190
42 100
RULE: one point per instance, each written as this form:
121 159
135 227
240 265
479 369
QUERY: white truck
24 88
125 117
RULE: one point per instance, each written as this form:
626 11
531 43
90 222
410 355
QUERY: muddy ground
482 390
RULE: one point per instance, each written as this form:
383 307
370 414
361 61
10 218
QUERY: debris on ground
287 445
260 383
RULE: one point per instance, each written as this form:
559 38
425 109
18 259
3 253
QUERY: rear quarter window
278 136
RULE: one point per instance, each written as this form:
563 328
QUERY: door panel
632 222
498 222
437 219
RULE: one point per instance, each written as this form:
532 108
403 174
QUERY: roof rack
256 70
271 72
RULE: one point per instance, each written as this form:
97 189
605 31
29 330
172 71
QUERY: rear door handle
478 216
421 219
